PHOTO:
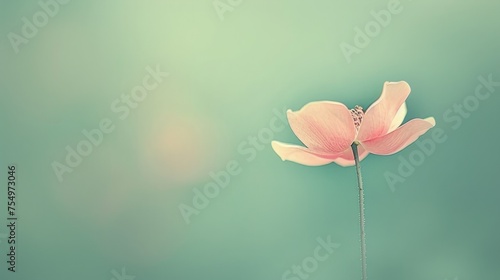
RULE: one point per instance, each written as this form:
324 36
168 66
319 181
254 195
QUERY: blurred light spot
182 149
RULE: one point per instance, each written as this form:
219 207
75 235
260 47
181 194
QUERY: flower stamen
357 115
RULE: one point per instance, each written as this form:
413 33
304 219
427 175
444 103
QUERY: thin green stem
361 210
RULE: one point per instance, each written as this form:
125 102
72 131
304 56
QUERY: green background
120 206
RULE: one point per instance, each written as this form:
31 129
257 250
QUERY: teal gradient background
120 206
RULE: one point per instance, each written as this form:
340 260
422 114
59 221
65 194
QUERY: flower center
357 115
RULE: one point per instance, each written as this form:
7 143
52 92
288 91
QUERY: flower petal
347 157
323 126
399 118
300 154
379 116
400 138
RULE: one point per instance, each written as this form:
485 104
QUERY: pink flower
328 129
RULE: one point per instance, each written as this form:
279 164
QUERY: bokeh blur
153 199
